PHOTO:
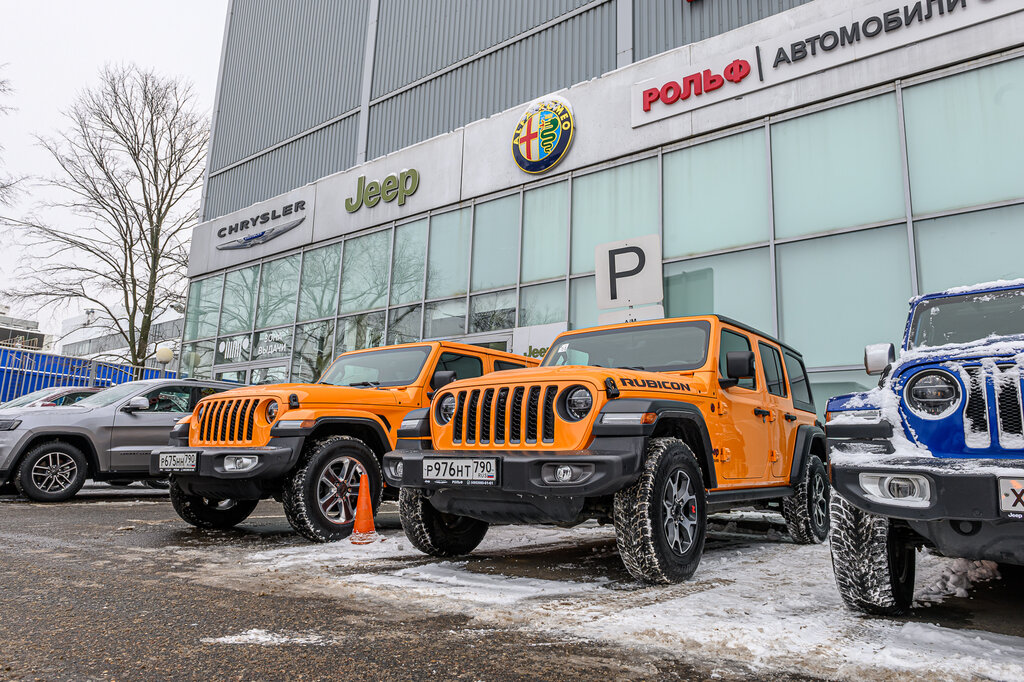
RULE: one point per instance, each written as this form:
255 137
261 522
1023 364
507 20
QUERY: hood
995 347
854 401
626 380
310 395
53 414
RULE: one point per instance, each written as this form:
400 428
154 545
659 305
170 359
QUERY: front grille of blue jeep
994 388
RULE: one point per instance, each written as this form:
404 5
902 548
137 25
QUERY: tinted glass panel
233 349
798 383
500 365
196 360
445 318
730 342
464 366
239 300
279 287
488 312
270 375
203 307
404 324
658 347
542 304
545 232
169 399
360 331
364 272
272 343
737 285
318 294
448 263
314 350
495 243
772 364
408 261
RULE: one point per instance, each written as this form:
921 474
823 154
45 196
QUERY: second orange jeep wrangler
646 425
308 444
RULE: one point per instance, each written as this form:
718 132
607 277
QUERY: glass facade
816 225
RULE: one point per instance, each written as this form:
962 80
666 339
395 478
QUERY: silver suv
49 452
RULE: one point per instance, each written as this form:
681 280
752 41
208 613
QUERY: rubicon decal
543 135
653 383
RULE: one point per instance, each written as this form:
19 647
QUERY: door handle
758 412
790 417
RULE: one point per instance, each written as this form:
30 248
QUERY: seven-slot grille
509 416
1000 383
228 421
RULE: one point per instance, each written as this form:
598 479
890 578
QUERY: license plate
462 471
1011 497
178 461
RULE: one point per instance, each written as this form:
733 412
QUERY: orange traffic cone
363 532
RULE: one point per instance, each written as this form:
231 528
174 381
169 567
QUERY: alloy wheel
819 502
680 506
54 472
338 488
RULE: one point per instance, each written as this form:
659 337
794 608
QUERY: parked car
933 457
54 396
646 425
307 445
49 452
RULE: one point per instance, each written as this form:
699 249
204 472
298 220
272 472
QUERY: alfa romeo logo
543 135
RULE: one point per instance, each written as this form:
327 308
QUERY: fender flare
806 435
91 455
374 425
665 410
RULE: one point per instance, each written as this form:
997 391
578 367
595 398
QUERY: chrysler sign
865 30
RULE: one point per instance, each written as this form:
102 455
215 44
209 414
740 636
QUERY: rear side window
464 366
772 362
731 341
500 365
798 384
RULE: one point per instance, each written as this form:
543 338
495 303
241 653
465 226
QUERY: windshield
390 367
27 398
110 395
967 318
656 347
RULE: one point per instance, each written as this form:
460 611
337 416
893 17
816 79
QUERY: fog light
399 468
240 462
563 473
903 490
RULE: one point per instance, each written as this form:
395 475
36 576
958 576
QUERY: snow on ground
755 600
265 638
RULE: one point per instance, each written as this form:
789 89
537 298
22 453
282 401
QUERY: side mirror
878 356
137 404
442 377
739 364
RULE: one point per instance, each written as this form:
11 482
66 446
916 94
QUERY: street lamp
164 355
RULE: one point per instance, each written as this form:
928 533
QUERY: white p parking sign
628 272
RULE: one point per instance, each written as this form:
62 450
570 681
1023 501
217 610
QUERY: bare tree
131 162
8 183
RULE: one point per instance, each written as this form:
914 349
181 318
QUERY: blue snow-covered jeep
935 455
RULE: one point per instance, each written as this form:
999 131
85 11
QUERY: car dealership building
384 171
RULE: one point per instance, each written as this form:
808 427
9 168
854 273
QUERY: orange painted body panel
750 450
237 418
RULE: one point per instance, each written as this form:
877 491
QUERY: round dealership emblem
543 135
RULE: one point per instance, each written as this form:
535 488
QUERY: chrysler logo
249 241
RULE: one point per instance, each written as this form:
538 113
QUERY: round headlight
446 409
578 402
932 395
272 408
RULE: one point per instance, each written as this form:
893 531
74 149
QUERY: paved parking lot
114 585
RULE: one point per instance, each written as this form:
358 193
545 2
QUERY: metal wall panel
571 52
289 66
416 39
325 151
661 25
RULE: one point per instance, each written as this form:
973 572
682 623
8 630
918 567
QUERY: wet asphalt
90 590
107 587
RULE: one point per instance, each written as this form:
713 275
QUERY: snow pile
265 638
957 578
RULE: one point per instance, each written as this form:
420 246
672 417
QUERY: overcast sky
54 48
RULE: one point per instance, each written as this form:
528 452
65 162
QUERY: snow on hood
971 288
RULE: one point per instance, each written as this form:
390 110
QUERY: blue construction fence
23 371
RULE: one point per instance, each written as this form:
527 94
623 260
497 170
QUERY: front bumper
210 476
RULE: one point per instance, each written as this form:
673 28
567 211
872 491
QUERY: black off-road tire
74 464
874 566
807 510
300 498
640 516
436 533
157 483
207 513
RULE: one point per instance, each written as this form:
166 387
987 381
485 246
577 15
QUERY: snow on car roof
970 288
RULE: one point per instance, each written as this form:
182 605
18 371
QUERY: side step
729 499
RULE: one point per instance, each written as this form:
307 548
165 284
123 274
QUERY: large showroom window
490 312
839 293
404 324
965 141
448 260
709 285
613 204
837 168
496 243
582 303
542 304
445 318
314 350
356 332
203 307
716 195
279 286
545 232
239 304
364 272
318 294
407 263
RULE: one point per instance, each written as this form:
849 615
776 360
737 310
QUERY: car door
137 433
742 428
782 421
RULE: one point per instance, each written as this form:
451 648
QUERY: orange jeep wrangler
307 444
648 426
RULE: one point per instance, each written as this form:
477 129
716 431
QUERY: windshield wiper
639 369
365 384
